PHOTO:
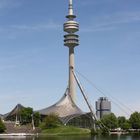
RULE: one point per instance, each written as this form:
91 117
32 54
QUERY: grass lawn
65 130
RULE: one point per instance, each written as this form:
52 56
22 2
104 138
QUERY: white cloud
112 21
13 31
4 3
93 2
97 29
120 17
9 3
37 27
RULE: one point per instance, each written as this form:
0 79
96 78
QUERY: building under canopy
14 114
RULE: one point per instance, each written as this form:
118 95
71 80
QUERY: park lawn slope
66 130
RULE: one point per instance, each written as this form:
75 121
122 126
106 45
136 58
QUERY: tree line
110 121
113 122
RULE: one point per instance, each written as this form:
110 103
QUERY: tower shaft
71 40
72 87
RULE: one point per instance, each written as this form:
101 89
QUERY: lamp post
33 124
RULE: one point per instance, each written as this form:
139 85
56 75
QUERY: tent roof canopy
15 111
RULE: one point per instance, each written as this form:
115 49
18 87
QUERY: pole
101 125
33 125
86 99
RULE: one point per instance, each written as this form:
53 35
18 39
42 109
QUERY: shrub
52 121
2 126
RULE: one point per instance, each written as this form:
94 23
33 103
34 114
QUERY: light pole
33 124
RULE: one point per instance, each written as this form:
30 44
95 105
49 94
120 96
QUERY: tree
135 120
121 121
26 115
126 125
36 117
52 121
110 121
2 126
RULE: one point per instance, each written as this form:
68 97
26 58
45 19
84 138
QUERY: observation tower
71 40
66 108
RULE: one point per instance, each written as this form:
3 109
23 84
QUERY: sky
34 61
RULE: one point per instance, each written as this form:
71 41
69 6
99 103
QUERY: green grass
65 130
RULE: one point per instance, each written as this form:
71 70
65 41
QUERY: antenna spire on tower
70 7
70 15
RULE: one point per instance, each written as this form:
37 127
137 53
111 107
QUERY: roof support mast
86 99
101 125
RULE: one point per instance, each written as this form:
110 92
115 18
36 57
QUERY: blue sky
34 62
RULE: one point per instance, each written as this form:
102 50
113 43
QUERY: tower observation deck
71 40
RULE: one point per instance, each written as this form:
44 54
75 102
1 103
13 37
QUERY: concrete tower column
72 87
